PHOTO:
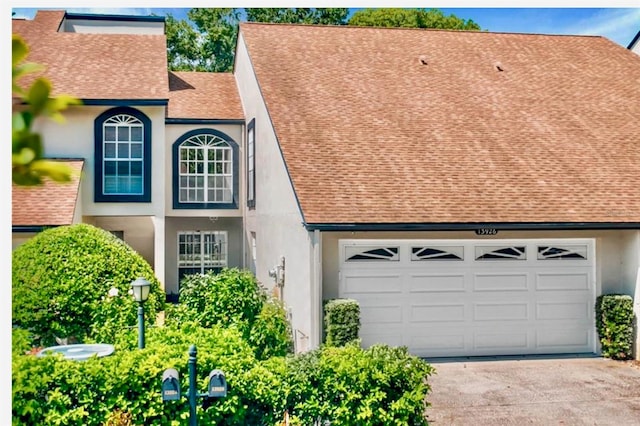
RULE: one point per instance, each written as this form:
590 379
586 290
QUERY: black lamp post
140 289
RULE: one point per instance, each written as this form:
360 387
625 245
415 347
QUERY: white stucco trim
158 248
636 311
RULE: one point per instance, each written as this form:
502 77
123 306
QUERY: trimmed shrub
347 385
62 280
614 323
342 321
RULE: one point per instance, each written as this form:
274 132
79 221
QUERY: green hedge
345 386
342 321
234 298
61 280
614 323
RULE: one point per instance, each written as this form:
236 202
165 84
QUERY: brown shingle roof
52 203
203 95
370 134
96 66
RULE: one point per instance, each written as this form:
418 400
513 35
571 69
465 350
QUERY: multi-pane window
123 150
122 138
251 164
206 170
201 251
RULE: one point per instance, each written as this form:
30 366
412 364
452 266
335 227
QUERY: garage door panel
510 297
427 283
502 342
568 339
393 337
436 345
372 283
515 281
381 314
563 311
558 281
434 313
500 311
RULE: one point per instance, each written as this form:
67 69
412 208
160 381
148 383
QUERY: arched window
123 156
205 170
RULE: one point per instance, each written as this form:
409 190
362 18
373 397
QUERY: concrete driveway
534 391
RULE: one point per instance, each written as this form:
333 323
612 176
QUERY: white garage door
473 297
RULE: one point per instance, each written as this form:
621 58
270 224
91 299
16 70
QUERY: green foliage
62 280
206 40
21 341
298 15
271 332
27 152
342 321
230 298
126 385
410 18
234 298
346 385
614 323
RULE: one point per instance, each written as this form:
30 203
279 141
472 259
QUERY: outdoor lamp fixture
140 288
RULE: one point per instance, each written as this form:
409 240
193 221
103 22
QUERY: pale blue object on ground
80 351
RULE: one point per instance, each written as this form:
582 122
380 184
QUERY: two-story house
474 191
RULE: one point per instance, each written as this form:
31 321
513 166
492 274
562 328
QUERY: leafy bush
342 321
229 298
234 298
614 323
270 334
347 385
61 281
125 387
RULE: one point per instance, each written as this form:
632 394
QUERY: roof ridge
366 27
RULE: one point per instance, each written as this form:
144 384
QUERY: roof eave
502 226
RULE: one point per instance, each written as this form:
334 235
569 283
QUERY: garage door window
500 253
436 253
562 252
372 253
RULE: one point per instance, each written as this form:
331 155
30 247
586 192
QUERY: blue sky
617 23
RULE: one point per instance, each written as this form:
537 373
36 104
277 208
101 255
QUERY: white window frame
207 177
199 257
124 152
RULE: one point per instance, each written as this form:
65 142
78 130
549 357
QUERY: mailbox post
171 385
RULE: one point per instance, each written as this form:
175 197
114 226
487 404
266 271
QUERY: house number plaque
486 231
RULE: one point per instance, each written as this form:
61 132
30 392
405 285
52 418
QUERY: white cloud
618 25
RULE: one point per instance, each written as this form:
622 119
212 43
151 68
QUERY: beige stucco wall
276 219
175 131
173 225
75 139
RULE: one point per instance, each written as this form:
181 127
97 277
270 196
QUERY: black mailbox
217 384
170 385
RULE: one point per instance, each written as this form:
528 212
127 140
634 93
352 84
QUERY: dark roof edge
24 229
532 226
125 102
204 120
634 41
92 17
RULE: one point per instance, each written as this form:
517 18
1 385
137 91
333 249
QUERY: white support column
316 290
636 311
159 248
